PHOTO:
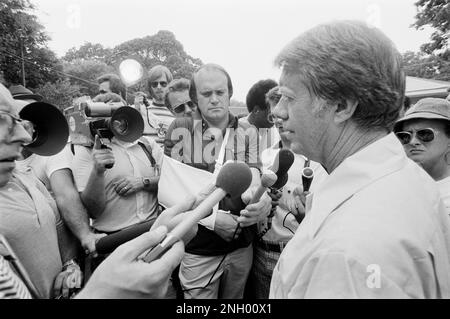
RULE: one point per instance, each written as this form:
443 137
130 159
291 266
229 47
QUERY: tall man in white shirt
376 228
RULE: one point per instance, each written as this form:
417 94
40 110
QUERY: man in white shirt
376 228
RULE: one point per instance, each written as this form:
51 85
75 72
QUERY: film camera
87 119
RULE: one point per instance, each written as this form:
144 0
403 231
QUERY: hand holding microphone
233 179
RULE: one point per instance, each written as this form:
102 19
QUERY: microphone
307 177
233 179
268 178
107 244
281 165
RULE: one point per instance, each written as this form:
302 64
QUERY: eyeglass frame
190 104
152 84
17 120
414 133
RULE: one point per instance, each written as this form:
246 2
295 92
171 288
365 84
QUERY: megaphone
51 131
125 124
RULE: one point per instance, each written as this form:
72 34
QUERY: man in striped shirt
157 117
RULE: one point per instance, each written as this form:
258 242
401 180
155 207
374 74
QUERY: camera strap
147 150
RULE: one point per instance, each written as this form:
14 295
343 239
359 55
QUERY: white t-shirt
44 166
444 189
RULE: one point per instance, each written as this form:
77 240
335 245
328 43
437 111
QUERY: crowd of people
371 220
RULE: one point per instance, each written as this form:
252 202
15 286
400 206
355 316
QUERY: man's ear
344 110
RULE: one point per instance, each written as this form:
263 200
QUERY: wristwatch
146 181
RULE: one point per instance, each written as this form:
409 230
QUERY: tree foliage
84 73
60 93
436 14
88 51
160 48
21 33
426 66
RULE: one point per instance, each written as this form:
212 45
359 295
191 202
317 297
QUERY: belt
271 246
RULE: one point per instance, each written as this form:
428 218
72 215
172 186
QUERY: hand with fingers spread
102 157
122 275
128 185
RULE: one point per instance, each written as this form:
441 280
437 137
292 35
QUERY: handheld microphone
233 179
281 165
107 244
268 178
307 177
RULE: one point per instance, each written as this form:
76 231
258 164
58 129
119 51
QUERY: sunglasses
102 92
155 84
181 107
10 121
424 135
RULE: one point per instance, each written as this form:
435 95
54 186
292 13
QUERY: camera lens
120 126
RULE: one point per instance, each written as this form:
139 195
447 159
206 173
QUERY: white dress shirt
376 229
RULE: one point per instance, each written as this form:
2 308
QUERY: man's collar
376 160
232 122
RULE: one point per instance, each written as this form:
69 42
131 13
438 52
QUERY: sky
244 36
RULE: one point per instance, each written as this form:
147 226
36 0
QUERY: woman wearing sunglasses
424 132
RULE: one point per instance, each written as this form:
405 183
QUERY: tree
84 73
435 13
161 48
426 66
24 45
88 51
60 93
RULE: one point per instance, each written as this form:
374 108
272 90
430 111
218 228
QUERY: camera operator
126 193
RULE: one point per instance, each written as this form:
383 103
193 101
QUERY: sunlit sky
244 36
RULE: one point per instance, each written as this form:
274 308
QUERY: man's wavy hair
256 96
209 66
348 60
156 72
115 83
177 85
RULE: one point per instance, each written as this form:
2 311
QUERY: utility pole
23 61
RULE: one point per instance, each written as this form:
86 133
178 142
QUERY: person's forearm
69 203
93 196
68 247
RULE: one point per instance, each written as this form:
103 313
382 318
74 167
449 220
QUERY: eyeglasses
162 83
102 92
425 135
10 121
181 107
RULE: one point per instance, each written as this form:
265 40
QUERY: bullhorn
50 128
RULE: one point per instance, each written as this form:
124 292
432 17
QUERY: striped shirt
11 287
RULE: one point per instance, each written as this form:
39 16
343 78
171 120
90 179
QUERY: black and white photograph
224 154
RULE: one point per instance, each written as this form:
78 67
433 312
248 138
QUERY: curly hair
257 94
348 60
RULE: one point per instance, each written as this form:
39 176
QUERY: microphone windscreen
107 244
234 178
282 164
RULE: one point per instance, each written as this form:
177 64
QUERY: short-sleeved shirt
28 220
129 160
44 166
190 142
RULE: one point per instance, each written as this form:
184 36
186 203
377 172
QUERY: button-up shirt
376 229
129 160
